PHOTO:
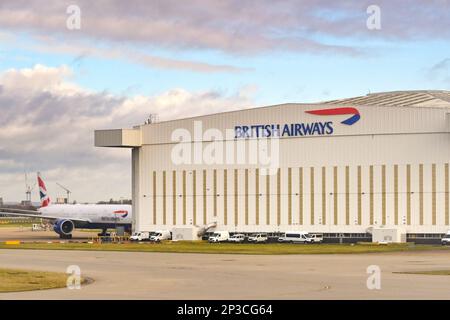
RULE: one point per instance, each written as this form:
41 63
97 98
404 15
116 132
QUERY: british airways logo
299 129
339 111
122 213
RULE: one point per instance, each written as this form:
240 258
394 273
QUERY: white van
140 236
161 235
219 236
446 239
295 237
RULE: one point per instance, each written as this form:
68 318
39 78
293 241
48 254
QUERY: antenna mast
152 118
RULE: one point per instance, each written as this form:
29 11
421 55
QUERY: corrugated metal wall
329 199
390 168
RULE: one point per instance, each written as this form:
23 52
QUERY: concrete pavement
136 275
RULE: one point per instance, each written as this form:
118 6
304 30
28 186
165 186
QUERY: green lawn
16 225
204 247
431 272
12 280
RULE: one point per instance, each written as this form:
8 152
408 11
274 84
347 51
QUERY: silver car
237 238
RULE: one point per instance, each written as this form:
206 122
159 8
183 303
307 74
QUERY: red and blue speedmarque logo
122 213
339 111
299 129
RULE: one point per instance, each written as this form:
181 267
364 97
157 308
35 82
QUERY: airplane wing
34 214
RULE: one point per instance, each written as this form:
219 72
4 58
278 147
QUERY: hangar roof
434 104
422 98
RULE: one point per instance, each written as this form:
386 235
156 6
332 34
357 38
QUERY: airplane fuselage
97 216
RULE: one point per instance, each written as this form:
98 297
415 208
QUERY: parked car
237 238
316 237
295 237
258 238
219 236
446 239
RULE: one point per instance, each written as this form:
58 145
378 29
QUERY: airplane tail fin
45 199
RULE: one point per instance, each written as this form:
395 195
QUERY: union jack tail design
45 199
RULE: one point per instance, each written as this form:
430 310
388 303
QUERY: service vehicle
446 239
258 238
219 236
316 237
161 235
140 236
295 237
237 238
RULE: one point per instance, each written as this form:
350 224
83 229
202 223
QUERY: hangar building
342 166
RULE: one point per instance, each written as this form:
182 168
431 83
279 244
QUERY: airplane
67 217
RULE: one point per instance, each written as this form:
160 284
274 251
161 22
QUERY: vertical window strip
154 197
174 197
371 195
408 194
396 194
289 196
268 199
347 195
184 197
236 199
246 197
383 194
215 192
447 202
257 197
279 197
433 193
359 195
312 194
225 197
421 193
205 202
335 195
324 196
300 193
164 199
194 197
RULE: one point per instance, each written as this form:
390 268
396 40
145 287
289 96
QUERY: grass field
12 280
15 225
431 272
228 248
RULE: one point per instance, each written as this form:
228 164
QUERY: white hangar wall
390 168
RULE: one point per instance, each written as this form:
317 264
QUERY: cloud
47 124
237 27
152 61
232 26
440 71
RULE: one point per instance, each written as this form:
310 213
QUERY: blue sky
278 77
180 59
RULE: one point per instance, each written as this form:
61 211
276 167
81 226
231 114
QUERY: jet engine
64 228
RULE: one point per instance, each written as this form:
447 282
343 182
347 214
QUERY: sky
68 68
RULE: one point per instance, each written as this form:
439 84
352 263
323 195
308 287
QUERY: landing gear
103 233
65 236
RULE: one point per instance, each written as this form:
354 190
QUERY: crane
28 189
65 189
